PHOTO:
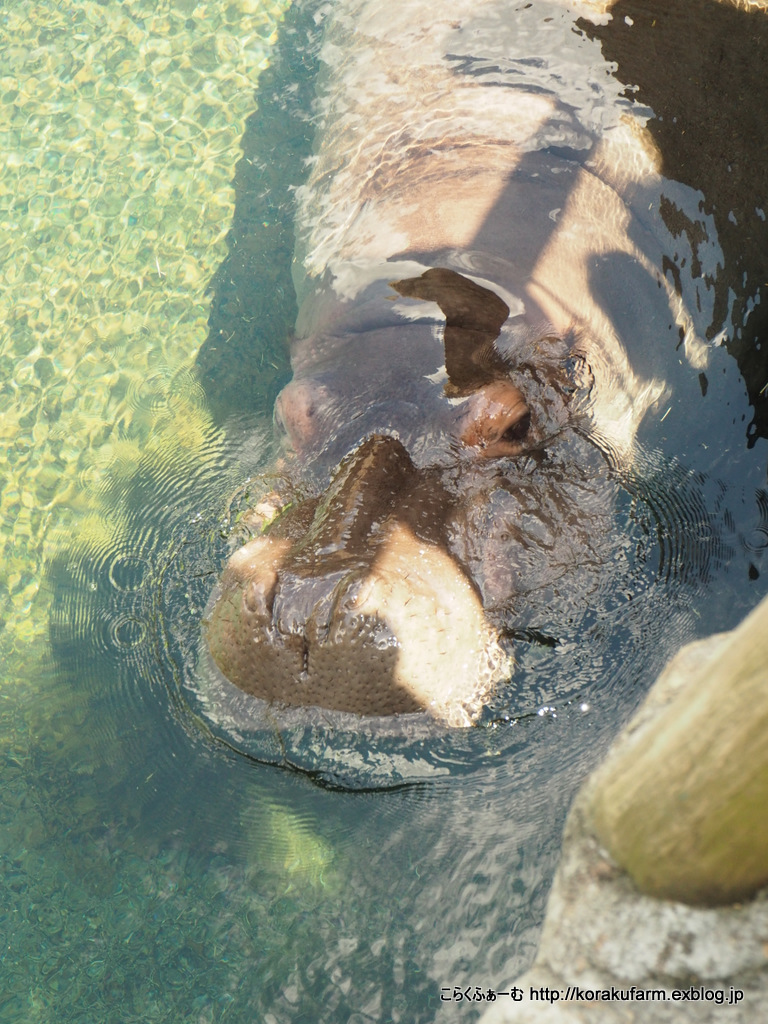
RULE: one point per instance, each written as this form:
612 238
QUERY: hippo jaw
394 628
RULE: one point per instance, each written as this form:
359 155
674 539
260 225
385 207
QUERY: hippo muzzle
357 612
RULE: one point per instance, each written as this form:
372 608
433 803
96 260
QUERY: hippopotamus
480 276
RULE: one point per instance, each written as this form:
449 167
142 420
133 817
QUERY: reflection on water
151 870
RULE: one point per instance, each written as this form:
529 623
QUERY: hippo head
392 589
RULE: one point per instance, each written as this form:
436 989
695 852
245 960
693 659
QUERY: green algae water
152 869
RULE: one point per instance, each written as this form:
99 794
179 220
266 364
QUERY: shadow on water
708 103
244 361
221 888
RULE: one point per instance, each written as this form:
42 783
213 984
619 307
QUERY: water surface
153 868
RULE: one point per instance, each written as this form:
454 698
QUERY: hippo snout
356 612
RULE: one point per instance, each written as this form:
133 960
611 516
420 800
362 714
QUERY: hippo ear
473 319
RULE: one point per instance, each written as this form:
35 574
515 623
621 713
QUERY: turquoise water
151 868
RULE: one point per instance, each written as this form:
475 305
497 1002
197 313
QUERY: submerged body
463 388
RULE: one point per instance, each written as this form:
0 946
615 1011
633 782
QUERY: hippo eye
518 430
495 420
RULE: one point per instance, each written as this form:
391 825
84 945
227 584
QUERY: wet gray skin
390 592
479 270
